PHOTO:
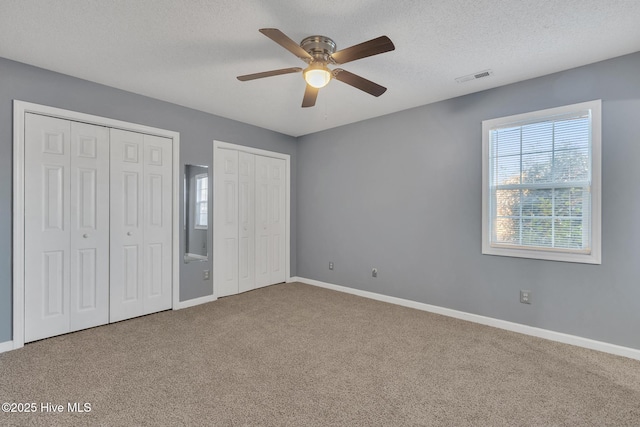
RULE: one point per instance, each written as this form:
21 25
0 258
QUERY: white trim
7 346
287 158
594 257
195 301
618 350
20 108
251 150
18 223
177 255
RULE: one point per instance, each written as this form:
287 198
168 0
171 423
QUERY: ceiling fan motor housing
320 47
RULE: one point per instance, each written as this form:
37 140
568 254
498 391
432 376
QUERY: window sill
561 256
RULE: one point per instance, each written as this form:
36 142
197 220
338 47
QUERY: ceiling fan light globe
317 77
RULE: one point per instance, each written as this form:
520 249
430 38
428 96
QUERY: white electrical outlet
525 297
374 272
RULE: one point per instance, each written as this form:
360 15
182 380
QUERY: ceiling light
317 75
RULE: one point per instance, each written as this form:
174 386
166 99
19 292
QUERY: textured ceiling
189 51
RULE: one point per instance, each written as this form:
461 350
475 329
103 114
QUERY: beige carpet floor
297 355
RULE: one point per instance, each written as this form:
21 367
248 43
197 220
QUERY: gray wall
197 131
403 193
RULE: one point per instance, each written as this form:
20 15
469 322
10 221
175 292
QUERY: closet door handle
85 235
129 233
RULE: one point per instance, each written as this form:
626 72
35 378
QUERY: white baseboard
193 302
6 346
618 350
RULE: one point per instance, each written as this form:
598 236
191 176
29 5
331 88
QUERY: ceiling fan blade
310 95
269 74
283 40
372 47
358 82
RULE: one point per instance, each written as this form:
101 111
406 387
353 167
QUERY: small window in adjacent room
541 184
202 194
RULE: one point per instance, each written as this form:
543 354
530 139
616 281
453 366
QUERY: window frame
551 254
198 202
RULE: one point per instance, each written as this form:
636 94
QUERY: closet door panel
157 189
89 281
270 220
277 220
47 224
226 222
126 225
246 212
263 240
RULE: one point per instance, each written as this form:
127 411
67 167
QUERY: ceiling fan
320 51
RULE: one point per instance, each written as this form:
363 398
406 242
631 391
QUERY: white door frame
287 159
20 108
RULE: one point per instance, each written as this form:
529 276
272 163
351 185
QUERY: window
202 195
541 184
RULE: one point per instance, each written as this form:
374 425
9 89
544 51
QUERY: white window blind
540 182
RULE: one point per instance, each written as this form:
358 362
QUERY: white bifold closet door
66 226
249 221
98 225
140 229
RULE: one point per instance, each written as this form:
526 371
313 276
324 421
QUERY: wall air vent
475 76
